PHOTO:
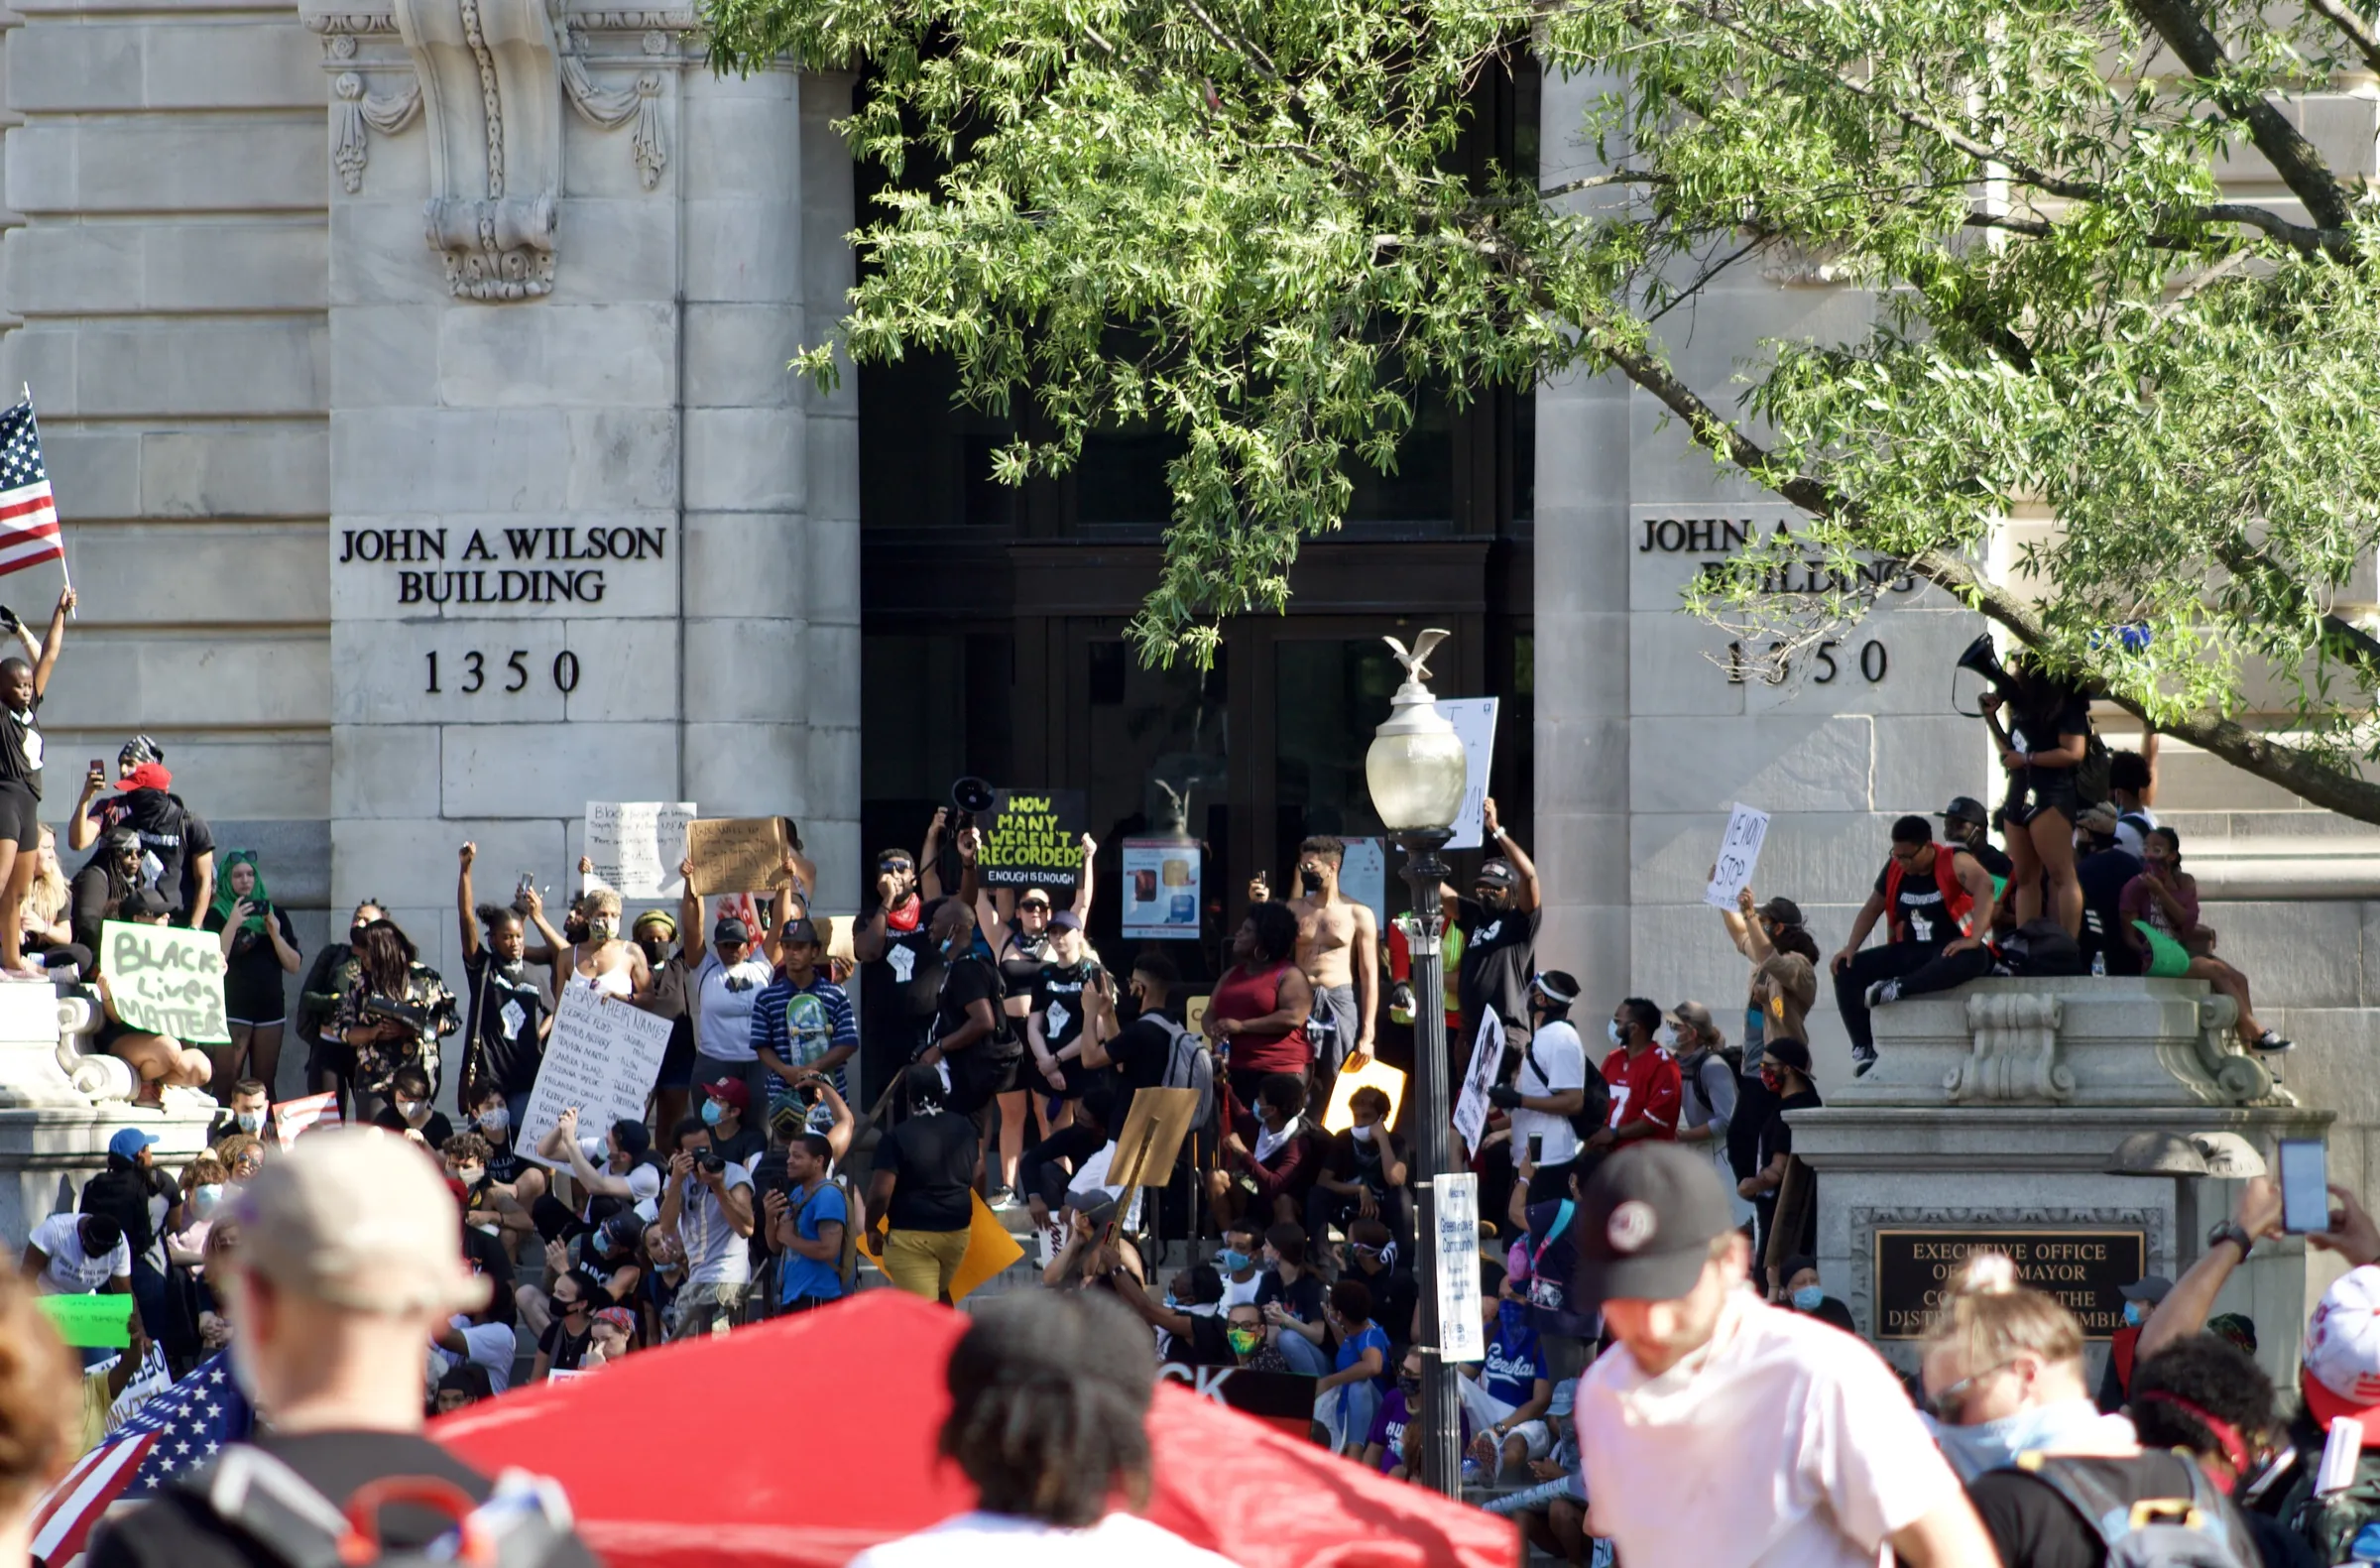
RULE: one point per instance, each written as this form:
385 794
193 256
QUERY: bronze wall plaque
2082 1268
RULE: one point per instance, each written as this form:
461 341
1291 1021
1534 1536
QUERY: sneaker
1862 1060
1472 1475
2274 1044
1883 990
1003 1198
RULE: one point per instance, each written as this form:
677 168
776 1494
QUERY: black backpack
2192 1526
524 1522
1588 1119
2041 947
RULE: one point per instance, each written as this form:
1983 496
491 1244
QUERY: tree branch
2297 161
1617 176
2347 22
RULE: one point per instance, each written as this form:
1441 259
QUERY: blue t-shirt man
799 1276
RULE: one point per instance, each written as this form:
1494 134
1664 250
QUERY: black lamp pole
1441 1452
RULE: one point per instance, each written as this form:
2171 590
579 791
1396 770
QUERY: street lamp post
1416 772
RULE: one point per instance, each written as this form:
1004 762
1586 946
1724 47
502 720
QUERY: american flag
308 1114
184 1426
28 513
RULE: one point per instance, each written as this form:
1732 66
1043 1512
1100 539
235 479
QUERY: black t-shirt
124 1198
740 1147
435 1131
1777 1133
1922 917
973 979
252 975
1992 858
1499 957
485 1254
2042 728
1350 1160
932 1157
506 1008
1302 1300
177 1531
1142 1049
2034 1527
1208 1344
565 1349
1022 961
21 749
92 898
1395 1295
1058 994
169 831
901 989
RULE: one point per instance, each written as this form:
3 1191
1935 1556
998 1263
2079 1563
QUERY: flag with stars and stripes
180 1428
29 531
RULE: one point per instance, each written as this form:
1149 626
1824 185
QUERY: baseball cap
2340 1370
1495 874
1065 921
1963 808
144 902
798 933
2148 1289
129 1142
1645 1230
732 1090
633 1137
1782 910
731 929
356 1217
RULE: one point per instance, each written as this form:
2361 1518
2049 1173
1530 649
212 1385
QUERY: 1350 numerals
1872 663
512 674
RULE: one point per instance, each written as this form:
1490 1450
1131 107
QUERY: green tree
1245 220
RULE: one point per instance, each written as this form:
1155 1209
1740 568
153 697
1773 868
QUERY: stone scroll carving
387 114
2015 1053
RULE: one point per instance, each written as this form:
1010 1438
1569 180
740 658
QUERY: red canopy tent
800 1442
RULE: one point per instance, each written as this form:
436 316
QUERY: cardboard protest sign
1151 1139
736 854
1474 719
1032 839
602 1057
91 1322
1738 855
1487 1060
165 979
1340 1114
1283 1399
636 846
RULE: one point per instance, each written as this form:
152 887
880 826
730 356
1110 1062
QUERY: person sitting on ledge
2160 910
1938 896
158 1061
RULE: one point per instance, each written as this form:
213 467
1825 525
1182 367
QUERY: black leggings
1921 967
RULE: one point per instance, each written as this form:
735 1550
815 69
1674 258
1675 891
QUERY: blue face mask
1230 1262
1512 1319
710 1113
2135 1313
1807 1298
1995 1445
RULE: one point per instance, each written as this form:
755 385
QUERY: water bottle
2098 962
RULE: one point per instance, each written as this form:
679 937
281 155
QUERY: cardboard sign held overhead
165 979
1152 1140
1340 1115
1738 855
1032 839
736 854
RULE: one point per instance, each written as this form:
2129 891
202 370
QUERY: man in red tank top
1937 898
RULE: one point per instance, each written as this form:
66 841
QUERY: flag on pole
181 1427
29 531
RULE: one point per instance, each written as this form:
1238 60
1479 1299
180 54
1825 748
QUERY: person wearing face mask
2141 1299
1550 1093
725 1106
332 1314
395 1014
1507 1396
1267 1162
1066 1029
1290 1301
1836 1469
203 1183
1363 1173
918 1208
330 1060
982 1058
1785 1074
1806 1295
1237 1259
1937 903
669 996
410 1113
1250 1341
564 1344
1339 952
1400 1407
1500 923
900 960
507 1021
1373 1258
514 1185
1190 1318
2002 1369
596 953
1647 1092
251 1103
99 891
665 1276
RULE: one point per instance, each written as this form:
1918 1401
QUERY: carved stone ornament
387 114
2015 1057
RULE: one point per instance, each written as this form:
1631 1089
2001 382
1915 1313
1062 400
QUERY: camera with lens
711 1161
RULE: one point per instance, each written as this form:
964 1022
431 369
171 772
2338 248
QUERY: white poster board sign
1738 855
636 846
602 1057
1486 1059
1363 876
1474 719
1161 890
1462 1333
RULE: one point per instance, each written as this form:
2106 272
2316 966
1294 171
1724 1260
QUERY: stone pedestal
1998 1108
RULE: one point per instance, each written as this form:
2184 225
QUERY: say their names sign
636 846
165 979
602 1057
1032 840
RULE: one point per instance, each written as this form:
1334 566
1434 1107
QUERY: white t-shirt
1558 1051
715 1254
2132 829
1821 1455
489 1347
995 1540
723 1000
72 1271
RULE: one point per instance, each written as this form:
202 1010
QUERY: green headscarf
225 898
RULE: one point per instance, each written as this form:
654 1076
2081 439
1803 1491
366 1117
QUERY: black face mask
1410 1387
1311 880
1493 900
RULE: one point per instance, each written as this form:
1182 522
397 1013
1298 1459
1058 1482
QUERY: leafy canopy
1246 221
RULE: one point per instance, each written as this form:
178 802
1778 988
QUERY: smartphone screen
2305 1186
1537 1149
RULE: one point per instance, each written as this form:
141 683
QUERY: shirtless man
1339 950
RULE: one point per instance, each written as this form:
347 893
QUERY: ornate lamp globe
1416 768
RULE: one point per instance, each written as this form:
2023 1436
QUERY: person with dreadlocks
260 946
1049 1395
171 835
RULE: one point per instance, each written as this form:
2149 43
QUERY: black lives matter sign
1032 839
165 979
2085 1269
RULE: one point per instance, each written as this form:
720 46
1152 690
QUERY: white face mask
1362 1132
469 1175
408 1108
249 1120
1611 1029
496 1118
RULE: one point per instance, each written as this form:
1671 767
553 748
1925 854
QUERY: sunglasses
1946 1405
892 865
1034 904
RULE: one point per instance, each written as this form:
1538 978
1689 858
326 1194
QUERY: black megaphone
970 796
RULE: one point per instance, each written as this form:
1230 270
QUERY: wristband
2231 1231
